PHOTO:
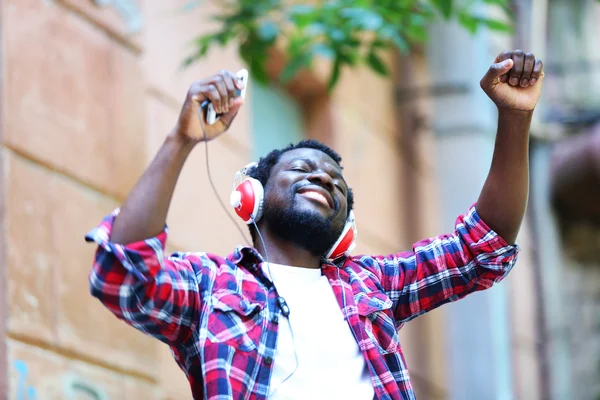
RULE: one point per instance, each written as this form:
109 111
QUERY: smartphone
210 115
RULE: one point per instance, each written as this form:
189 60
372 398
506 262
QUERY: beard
306 229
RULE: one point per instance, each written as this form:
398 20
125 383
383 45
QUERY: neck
283 252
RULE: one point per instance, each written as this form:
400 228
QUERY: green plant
348 32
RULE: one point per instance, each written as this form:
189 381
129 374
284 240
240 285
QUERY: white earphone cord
287 318
212 183
245 239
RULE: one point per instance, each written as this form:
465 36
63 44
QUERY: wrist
180 142
513 112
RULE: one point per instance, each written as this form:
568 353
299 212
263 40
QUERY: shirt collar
247 256
251 258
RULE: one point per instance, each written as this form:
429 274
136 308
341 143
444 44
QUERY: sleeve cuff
482 237
143 258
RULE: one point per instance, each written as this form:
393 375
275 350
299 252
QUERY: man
280 320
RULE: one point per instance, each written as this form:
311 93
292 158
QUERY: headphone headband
243 173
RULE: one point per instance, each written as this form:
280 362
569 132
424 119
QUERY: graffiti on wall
24 390
128 10
74 387
77 388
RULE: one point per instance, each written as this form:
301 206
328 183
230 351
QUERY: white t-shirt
329 363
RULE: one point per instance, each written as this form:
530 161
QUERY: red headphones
247 200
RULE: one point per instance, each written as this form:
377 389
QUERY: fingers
496 72
220 90
527 70
503 57
222 106
228 80
537 73
212 94
517 70
227 118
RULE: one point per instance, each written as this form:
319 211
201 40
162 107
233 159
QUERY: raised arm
514 83
131 275
481 250
144 212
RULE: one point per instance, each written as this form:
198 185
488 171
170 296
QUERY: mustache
298 186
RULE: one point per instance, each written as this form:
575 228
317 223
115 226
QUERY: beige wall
71 93
85 107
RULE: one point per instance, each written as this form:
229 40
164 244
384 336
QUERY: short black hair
262 171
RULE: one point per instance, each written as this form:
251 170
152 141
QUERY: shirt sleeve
445 268
157 295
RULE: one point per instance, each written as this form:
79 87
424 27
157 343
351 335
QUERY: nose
323 179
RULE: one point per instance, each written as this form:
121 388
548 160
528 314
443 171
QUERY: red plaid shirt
220 315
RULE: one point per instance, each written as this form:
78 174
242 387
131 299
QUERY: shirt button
275 319
268 360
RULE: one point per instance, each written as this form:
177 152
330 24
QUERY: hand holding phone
220 95
211 116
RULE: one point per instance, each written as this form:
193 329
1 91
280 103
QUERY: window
277 119
573 61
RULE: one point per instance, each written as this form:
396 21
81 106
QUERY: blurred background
89 89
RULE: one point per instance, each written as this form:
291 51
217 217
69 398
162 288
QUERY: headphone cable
246 240
287 317
200 117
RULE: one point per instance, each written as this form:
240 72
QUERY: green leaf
338 29
315 29
400 43
301 15
363 18
189 60
258 71
255 57
496 2
444 6
298 44
204 42
473 22
337 35
468 21
301 9
418 19
224 37
416 33
268 31
377 64
349 56
496 25
390 32
380 44
323 50
295 64
335 74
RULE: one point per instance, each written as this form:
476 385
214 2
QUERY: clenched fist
220 90
514 81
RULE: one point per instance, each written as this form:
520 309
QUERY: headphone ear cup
259 197
346 241
249 196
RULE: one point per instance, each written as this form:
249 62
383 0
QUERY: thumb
497 70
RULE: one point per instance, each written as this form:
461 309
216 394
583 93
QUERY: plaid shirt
220 315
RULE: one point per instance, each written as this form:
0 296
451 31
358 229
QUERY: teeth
316 196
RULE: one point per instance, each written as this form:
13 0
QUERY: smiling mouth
316 196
